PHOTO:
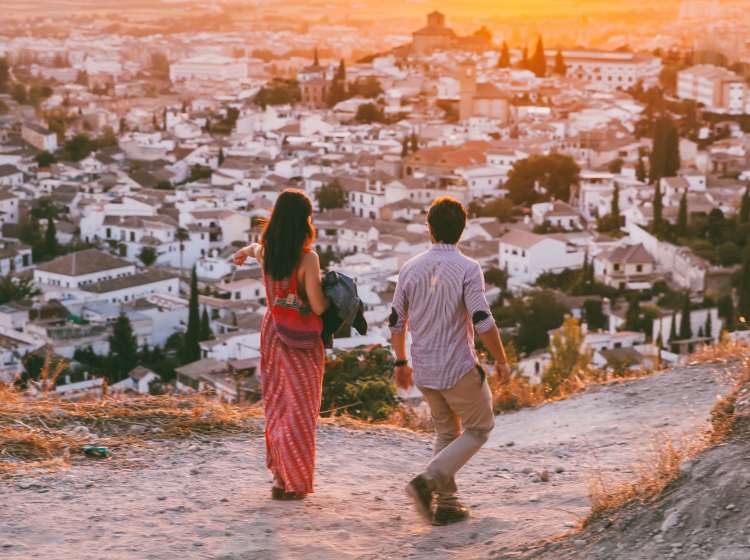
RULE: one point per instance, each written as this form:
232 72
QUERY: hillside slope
210 498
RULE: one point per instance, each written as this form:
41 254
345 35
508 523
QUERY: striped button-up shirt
440 297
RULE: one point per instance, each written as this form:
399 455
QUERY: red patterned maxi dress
291 382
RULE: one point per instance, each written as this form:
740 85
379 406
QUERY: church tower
467 80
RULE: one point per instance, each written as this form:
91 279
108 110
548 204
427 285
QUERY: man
440 299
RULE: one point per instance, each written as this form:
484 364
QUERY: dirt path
209 499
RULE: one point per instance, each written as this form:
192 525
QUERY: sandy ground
210 498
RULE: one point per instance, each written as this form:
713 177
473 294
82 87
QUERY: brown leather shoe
445 515
419 491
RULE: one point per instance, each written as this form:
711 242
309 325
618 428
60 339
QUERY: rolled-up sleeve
476 300
400 307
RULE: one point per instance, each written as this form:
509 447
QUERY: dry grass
48 430
514 395
662 465
417 419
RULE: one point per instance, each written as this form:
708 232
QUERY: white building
718 89
525 256
39 137
209 67
10 176
610 69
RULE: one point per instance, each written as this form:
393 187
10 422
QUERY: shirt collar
443 247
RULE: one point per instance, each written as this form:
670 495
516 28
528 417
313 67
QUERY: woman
292 377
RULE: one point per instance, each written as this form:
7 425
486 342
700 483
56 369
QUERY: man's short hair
447 219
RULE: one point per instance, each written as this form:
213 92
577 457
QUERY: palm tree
182 235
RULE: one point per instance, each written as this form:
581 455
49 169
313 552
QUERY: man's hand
404 377
502 370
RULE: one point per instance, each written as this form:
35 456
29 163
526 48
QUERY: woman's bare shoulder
310 258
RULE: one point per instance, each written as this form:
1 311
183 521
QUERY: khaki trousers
467 406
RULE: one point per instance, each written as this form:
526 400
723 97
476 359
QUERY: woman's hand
241 256
404 377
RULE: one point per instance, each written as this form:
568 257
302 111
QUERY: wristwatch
400 363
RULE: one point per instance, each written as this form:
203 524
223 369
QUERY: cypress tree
682 216
686 331
671 150
341 71
51 248
744 215
504 60
633 314
743 306
316 60
405 147
658 155
726 311
708 328
673 328
658 206
560 67
615 206
164 119
123 348
221 156
524 64
414 142
206 333
640 170
192 351
539 59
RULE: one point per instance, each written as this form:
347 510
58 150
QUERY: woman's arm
314 291
254 250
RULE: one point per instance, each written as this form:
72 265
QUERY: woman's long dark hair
287 234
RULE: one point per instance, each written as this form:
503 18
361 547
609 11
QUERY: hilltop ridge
207 497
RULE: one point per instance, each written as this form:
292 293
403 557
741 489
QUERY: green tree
404 147
744 214
561 68
221 156
369 113
614 208
725 307
358 383
658 206
673 328
19 94
341 71
51 247
45 159
682 214
553 173
147 255
504 59
686 331
123 348
633 315
16 289
743 290
331 196
182 235
569 360
278 92
708 328
497 277
192 350
77 148
206 332
665 155
594 315
523 64
4 75
538 62
640 170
